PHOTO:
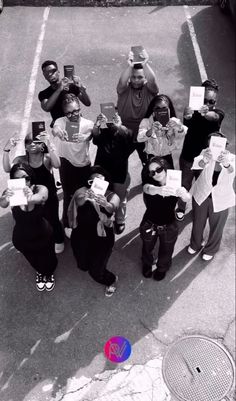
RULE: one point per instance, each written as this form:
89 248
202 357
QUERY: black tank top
44 177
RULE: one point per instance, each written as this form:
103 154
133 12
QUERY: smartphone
69 71
37 128
136 51
71 129
108 109
162 115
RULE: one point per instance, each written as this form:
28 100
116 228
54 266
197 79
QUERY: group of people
91 220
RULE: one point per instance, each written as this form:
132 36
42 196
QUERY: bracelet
227 166
6 150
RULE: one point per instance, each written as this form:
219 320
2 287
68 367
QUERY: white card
174 178
196 97
217 145
99 186
17 185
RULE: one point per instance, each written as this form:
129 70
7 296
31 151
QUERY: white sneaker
59 248
207 257
40 283
68 232
49 282
191 250
109 291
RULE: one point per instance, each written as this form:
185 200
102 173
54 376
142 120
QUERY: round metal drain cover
197 368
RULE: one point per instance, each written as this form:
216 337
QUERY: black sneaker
147 271
49 282
158 276
40 283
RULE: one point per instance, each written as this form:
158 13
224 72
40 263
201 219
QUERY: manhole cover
196 368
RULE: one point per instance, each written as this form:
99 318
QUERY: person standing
213 195
200 124
92 238
159 218
114 146
52 97
32 233
74 155
136 88
159 140
41 157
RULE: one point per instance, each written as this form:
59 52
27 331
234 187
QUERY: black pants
139 147
72 178
92 254
51 213
187 178
167 238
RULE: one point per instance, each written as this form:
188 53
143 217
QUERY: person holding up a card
159 218
91 214
114 146
73 151
32 233
160 130
201 122
213 195
136 88
41 155
52 97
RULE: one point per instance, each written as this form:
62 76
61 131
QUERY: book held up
137 51
108 109
17 185
173 178
162 115
196 97
69 71
37 128
71 129
217 145
99 186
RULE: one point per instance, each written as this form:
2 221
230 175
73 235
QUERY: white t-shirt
77 153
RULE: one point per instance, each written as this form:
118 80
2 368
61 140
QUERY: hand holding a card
188 112
204 110
223 158
207 155
11 143
60 133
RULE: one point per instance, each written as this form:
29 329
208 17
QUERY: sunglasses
72 113
210 101
156 171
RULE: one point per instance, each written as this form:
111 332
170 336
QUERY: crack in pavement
151 332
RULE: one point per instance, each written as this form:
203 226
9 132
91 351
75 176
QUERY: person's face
157 172
137 78
72 111
158 106
210 99
51 74
22 174
33 147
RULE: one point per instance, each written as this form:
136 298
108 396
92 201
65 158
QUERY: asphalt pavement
51 344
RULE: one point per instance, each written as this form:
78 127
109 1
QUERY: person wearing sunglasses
41 156
51 98
114 146
200 124
73 151
32 233
213 195
91 216
161 140
159 218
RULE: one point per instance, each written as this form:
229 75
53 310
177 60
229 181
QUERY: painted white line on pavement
33 77
196 47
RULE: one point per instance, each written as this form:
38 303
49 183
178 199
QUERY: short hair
47 63
70 98
25 167
138 66
211 84
157 99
